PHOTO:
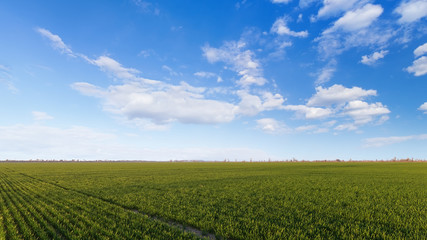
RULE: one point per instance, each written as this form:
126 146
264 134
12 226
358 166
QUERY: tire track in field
189 229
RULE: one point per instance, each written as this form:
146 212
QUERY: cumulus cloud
357 19
56 42
162 105
423 108
411 11
40 116
374 57
280 27
340 102
419 67
242 61
155 104
338 94
363 112
272 126
383 141
252 104
421 50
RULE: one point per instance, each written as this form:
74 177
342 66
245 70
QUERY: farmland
126 200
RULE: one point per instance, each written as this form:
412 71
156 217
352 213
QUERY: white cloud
363 112
6 79
338 94
56 42
374 57
325 75
279 27
419 67
421 50
306 3
251 104
171 71
333 42
242 61
327 72
147 7
4 68
163 104
357 28
272 126
281 1
114 68
332 8
88 89
305 128
205 74
357 19
309 112
340 102
383 141
299 18
346 126
423 107
411 11
40 116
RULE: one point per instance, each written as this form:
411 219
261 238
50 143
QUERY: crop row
32 209
252 200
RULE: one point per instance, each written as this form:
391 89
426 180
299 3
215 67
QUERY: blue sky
213 80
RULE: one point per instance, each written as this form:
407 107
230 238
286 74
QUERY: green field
94 200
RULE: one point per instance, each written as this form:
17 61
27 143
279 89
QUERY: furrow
43 228
189 229
80 215
14 225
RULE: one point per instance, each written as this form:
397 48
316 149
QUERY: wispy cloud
205 74
281 1
147 7
384 141
327 72
6 79
56 42
41 116
334 7
241 60
374 57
